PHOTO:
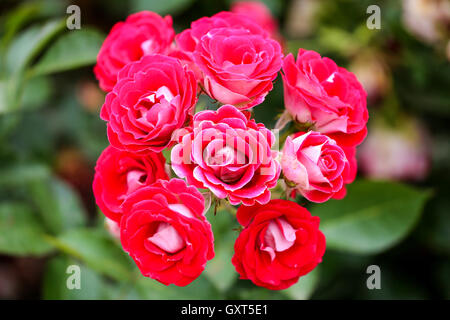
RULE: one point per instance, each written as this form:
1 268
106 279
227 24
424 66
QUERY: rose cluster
156 206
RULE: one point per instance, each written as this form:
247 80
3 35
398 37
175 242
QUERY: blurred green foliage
51 135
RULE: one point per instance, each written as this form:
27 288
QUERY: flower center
158 95
227 163
154 106
279 237
149 46
224 156
167 238
135 179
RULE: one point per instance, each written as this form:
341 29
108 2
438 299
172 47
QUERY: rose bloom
236 59
238 66
166 233
316 166
229 154
152 98
280 242
141 34
119 173
319 93
188 39
259 13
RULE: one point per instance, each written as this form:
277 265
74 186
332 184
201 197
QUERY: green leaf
220 271
305 287
74 49
59 205
4 96
97 250
161 7
36 93
373 217
19 56
20 174
20 231
15 19
200 289
258 293
92 285
30 43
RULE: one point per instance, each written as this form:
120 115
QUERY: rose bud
142 33
152 98
166 233
229 154
329 98
119 173
315 166
280 242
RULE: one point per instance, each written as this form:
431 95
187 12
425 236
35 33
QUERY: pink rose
152 98
238 66
188 39
316 166
141 34
259 13
229 154
318 92
119 173
166 233
236 59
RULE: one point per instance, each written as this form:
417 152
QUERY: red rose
318 92
141 34
229 154
188 39
238 66
235 56
165 232
152 98
119 173
281 242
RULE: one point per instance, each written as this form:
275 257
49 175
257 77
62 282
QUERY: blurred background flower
427 19
400 153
